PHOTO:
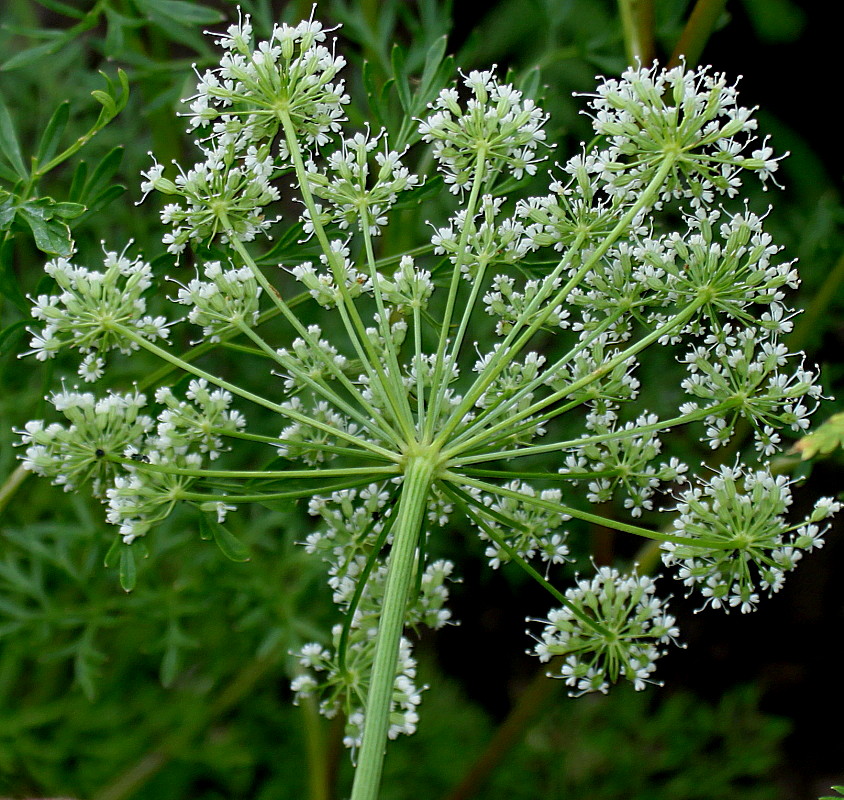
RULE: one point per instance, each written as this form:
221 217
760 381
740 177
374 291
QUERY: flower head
739 542
633 624
497 124
688 116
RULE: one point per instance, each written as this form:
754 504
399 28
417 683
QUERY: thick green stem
412 504
637 20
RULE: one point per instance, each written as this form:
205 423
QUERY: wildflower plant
396 419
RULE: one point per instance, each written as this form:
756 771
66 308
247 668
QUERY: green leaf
52 133
205 532
829 437
111 102
103 173
10 335
67 210
128 568
33 54
530 84
190 14
433 59
9 146
400 75
228 543
372 94
113 554
101 201
51 235
77 184
62 8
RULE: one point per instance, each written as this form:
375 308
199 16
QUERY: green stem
11 486
494 411
246 395
439 383
277 441
346 306
384 322
637 21
290 474
318 387
411 513
466 502
302 330
698 29
553 447
293 494
646 341
510 348
559 508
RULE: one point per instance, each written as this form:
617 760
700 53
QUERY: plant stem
511 346
257 399
697 32
346 306
11 486
637 20
412 504
438 378
302 330
559 508
619 358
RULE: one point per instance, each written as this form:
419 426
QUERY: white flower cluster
323 287
578 282
739 543
224 195
89 305
311 444
293 73
197 423
690 117
622 462
498 125
409 288
577 211
230 297
99 429
108 440
344 183
475 244
740 377
341 690
633 624
308 362
528 530
512 306
188 433
727 259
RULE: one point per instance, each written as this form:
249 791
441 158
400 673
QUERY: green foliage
625 746
178 683
826 439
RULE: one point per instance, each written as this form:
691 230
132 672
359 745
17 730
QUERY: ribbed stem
412 504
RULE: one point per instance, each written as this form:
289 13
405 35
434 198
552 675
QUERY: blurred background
180 689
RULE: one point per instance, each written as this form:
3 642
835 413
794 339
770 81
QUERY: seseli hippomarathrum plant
444 370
